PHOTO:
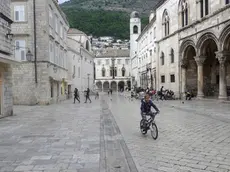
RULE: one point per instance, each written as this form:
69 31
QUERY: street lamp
88 79
9 36
29 56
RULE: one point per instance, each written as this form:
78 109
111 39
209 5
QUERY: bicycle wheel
154 131
142 127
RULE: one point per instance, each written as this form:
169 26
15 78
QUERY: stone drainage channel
114 153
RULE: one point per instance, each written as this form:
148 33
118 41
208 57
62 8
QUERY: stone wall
7 104
24 84
27 92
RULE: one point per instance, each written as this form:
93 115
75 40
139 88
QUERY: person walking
87 96
111 91
96 95
76 95
162 96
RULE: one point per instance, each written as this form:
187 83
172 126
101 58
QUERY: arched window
123 71
111 71
87 45
115 71
103 72
135 29
162 58
184 12
165 23
172 55
204 8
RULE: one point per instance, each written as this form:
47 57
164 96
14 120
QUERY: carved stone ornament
200 60
222 56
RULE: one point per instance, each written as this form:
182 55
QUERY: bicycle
149 124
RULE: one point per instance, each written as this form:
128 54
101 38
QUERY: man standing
87 95
162 96
111 91
76 95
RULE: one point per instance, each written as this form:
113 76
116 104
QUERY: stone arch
225 38
123 71
183 9
172 55
103 72
189 66
201 43
114 85
99 85
185 45
106 86
162 58
207 46
135 29
129 84
121 85
166 22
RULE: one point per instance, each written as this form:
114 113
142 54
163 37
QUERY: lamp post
88 79
29 55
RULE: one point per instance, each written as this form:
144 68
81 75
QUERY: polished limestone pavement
194 136
104 136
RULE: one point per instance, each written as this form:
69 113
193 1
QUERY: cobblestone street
194 136
104 136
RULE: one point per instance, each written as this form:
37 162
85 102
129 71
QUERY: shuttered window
19 13
20 52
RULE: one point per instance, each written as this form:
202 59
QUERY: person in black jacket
146 105
76 95
87 96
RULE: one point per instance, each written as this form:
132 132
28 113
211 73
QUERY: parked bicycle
149 124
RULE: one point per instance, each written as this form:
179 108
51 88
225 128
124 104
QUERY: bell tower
135 31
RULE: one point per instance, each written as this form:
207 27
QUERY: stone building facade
6 60
112 69
80 61
40 29
195 36
146 54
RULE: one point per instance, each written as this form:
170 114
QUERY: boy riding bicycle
146 105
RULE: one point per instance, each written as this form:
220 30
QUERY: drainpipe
35 44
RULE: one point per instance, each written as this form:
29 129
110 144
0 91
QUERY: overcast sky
61 1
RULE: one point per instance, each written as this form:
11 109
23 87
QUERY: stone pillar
102 86
222 57
200 79
213 73
184 65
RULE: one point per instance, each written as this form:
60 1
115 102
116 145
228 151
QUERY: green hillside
100 22
105 17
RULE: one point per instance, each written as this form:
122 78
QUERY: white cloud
61 1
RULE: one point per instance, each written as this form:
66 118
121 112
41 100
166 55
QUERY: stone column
102 86
200 73
184 65
222 57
